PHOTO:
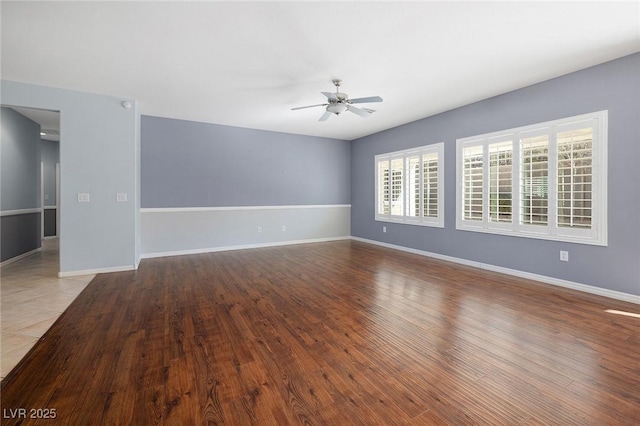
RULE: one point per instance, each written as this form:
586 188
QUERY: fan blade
369 110
324 116
358 111
365 100
330 95
308 106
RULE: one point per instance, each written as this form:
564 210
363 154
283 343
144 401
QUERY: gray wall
49 223
256 188
20 234
49 155
20 161
614 86
191 164
20 184
98 155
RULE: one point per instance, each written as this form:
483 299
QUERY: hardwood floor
330 333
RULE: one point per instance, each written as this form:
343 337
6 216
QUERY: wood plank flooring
339 333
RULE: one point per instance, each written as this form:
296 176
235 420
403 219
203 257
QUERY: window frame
595 235
421 152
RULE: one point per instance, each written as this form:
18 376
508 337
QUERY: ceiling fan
339 102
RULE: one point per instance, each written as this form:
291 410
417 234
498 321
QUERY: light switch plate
121 196
83 197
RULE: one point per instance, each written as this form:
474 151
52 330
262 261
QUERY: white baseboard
67 274
239 247
20 256
521 274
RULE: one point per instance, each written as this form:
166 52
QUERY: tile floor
32 298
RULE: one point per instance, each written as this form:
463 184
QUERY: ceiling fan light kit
339 102
337 108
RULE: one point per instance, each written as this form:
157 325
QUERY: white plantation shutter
473 163
413 185
409 186
534 180
430 193
397 198
551 175
382 180
500 181
574 178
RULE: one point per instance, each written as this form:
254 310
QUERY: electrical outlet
384 229
284 228
259 229
564 256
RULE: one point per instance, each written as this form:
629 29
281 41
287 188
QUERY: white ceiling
248 63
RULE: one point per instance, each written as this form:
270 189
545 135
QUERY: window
409 186
544 181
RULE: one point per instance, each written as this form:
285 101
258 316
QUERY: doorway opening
30 198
